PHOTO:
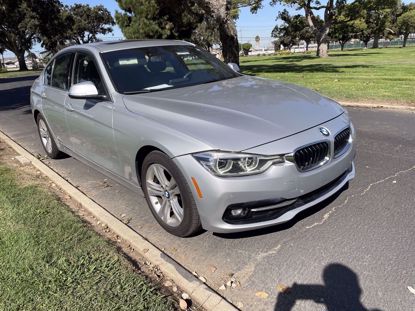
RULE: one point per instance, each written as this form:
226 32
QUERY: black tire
53 152
190 224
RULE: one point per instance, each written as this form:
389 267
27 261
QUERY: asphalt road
354 252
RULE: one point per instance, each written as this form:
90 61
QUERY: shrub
246 47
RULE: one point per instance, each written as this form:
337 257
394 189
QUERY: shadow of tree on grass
256 69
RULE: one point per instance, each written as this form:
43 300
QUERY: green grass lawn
50 260
378 75
16 74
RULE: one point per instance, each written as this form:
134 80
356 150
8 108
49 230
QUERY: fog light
239 212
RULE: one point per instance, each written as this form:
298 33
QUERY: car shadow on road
287 225
18 79
14 98
341 291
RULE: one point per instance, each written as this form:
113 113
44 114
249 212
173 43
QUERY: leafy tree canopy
22 22
406 24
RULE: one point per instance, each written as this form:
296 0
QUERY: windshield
164 67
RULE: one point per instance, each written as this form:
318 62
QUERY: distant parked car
210 148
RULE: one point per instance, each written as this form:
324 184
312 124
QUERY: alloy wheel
164 195
45 136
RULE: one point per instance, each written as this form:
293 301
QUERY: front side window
62 72
165 67
86 70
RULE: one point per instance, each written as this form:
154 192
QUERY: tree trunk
405 39
221 11
229 39
366 43
306 46
322 49
376 41
22 62
322 42
342 44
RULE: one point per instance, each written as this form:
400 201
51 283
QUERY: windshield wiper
136 92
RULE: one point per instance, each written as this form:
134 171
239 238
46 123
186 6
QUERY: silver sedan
210 148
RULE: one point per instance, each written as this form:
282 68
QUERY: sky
248 25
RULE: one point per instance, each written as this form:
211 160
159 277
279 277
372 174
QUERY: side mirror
84 90
234 67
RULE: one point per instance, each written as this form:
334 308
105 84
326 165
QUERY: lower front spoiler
288 213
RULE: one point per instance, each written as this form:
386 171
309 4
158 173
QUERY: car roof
108 46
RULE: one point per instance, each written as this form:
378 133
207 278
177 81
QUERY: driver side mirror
234 67
84 90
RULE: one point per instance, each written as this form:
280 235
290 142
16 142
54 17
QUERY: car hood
238 113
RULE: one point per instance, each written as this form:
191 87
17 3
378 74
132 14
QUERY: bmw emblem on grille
324 131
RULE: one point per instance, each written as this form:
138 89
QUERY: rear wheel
169 196
46 139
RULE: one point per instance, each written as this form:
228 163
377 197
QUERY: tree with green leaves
206 33
288 31
330 10
158 19
307 35
170 19
246 48
293 29
23 22
77 24
378 17
343 31
89 22
406 25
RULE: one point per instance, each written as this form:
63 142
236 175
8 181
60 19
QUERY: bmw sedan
209 147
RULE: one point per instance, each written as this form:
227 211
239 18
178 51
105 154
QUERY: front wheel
169 196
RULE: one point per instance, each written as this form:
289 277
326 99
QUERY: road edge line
378 106
200 293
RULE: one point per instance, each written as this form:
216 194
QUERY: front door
90 120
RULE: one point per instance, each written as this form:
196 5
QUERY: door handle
43 95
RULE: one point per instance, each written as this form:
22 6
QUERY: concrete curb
379 106
200 293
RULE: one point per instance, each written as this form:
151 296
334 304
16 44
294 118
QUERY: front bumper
280 182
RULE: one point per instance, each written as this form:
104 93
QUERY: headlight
235 164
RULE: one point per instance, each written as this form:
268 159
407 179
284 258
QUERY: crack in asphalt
245 273
248 270
349 197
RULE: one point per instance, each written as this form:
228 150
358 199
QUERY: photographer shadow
341 291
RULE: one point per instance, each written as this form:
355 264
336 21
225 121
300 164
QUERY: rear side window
48 74
86 70
62 72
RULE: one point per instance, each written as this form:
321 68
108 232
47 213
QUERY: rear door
57 80
90 120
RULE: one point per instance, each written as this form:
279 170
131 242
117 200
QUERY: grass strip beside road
374 75
51 260
18 74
